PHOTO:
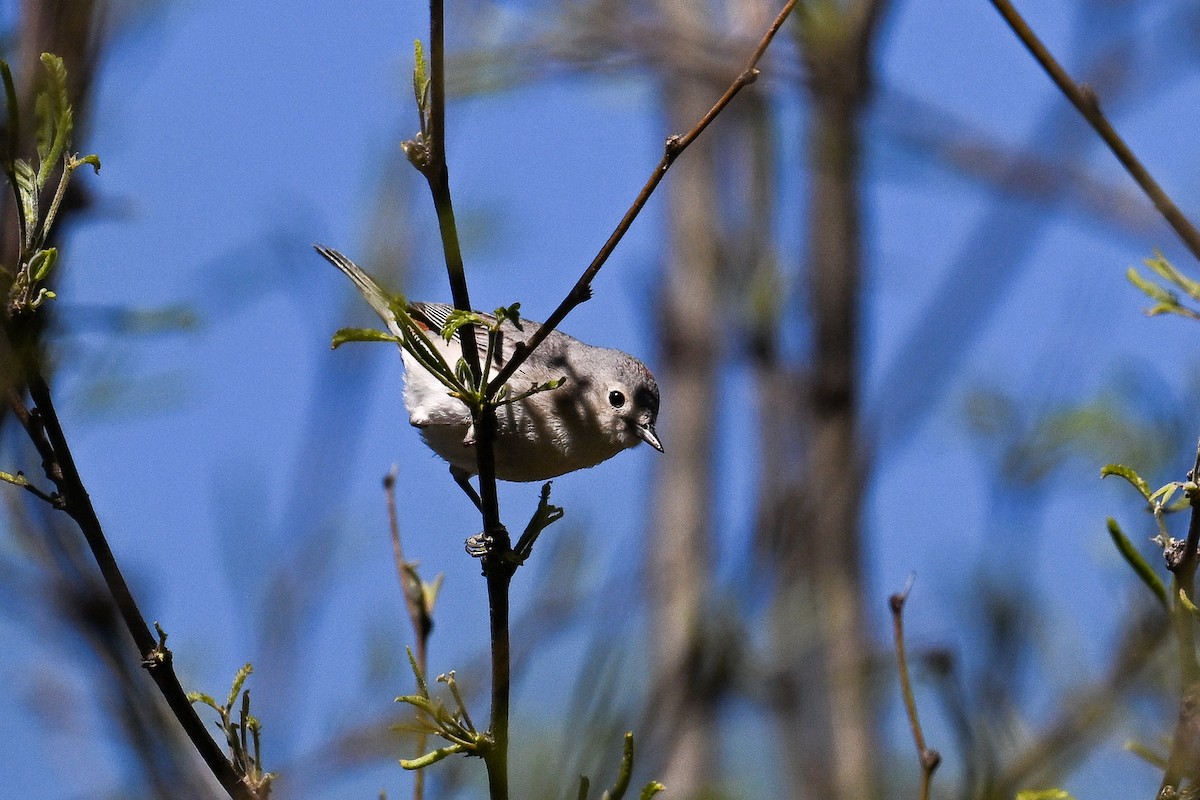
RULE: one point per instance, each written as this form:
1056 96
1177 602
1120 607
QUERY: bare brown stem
928 758
415 604
675 145
1088 104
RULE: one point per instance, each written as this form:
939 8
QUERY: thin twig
414 603
582 290
45 432
1088 104
497 566
929 759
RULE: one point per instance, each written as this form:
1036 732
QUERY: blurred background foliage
885 299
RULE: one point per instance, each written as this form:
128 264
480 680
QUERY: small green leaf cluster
416 149
458 379
247 762
434 716
23 282
1161 501
1166 301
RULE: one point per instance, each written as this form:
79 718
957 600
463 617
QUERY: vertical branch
821 568
497 566
1184 759
680 550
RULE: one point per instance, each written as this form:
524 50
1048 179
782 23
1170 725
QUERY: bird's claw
479 544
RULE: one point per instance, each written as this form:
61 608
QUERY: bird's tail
377 297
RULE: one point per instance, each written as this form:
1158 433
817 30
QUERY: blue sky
234 135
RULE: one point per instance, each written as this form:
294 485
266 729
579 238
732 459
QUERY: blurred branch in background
829 718
679 571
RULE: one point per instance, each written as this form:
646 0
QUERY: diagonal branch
44 430
1088 104
582 290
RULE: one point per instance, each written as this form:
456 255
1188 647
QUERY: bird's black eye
616 398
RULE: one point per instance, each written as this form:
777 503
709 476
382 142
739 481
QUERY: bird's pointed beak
647 435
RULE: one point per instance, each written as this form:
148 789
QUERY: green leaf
1163 494
422 686
15 480
1129 474
26 188
54 118
1135 560
42 296
201 697
1150 288
457 318
361 335
511 313
238 680
420 703
462 373
420 74
42 262
1167 271
1044 794
429 592
12 118
90 158
650 789
431 757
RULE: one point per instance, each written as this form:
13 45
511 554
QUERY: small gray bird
609 401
